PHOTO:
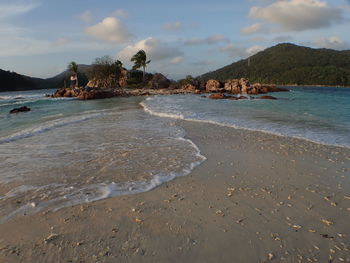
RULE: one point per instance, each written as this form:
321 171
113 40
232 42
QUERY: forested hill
290 64
12 81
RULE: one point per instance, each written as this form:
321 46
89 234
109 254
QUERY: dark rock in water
21 109
217 96
268 98
242 98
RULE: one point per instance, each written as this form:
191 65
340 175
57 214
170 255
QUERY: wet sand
257 198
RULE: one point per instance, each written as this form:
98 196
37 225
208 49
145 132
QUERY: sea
68 152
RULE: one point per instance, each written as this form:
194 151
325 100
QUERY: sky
40 37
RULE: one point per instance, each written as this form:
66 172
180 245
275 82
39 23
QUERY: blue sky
40 37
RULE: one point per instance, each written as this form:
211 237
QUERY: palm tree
140 60
73 67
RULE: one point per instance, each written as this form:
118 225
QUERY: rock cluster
241 86
88 93
160 85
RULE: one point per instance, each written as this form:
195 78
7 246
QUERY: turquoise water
67 152
318 114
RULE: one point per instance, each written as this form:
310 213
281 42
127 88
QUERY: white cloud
281 39
177 60
172 26
15 9
255 28
111 29
298 15
208 41
241 52
254 49
120 13
202 63
86 17
332 43
155 49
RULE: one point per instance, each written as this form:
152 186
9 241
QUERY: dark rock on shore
218 96
21 109
267 98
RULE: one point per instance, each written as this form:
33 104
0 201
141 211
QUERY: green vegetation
140 61
106 71
73 67
290 64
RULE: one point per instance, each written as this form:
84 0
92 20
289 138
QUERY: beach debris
275 237
230 191
334 204
33 204
327 236
138 220
167 201
240 220
294 226
327 222
80 243
312 230
316 247
327 198
219 212
50 238
270 256
347 197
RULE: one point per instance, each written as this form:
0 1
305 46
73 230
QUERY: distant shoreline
314 85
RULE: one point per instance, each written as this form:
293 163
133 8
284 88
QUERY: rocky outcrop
232 86
266 88
21 109
243 86
189 87
159 81
214 86
96 94
123 78
88 93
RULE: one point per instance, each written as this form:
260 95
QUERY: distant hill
290 64
12 81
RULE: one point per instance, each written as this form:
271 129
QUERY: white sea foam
285 133
49 125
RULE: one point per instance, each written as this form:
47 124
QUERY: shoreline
258 197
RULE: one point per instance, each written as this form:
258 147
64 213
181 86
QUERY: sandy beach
257 198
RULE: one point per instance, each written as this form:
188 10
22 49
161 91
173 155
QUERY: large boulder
217 96
123 78
159 81
189 87
213 86
232 86
245 85
96 94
